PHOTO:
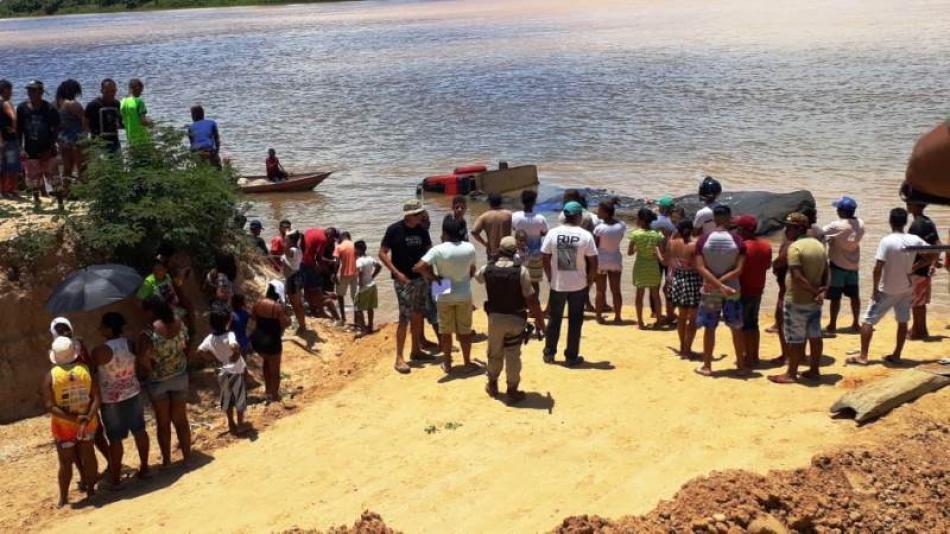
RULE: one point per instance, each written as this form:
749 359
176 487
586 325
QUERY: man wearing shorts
453 260
924 267
37 130
801 312
345 254
758 261
403 245
720 257
844 253
314 268
9 148
892 286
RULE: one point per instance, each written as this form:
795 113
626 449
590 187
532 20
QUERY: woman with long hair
686 286
163 345
72 129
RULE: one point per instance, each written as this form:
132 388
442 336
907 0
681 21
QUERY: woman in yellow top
72 398
646 267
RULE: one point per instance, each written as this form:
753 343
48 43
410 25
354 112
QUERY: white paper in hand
441 287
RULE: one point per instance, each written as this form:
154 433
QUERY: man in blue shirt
203 135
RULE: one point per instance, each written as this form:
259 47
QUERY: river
638 96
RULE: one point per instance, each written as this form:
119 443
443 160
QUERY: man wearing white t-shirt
570 263
704 222
892 286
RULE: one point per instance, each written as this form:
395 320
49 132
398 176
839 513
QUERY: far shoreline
153 6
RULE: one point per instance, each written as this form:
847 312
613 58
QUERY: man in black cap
37 129
510 296
256 228
709 191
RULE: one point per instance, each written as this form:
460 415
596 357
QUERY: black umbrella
93 287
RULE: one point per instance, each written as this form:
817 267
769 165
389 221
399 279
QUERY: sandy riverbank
433 456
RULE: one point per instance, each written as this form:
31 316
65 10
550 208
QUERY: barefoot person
267 339
293 278
924 267
720 257
494 223
123 410
403 245
275 171
844 254
510 295
72 398
163 345
607 235
535 226
758 261
892 286
367 294
453 260
37 130
222 344
686 286
345 253
570 275
807 283
646 268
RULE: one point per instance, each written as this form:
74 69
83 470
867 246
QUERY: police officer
510 296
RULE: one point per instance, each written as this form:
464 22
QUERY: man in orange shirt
346 255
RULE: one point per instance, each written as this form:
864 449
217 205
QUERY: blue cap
573 208
845 203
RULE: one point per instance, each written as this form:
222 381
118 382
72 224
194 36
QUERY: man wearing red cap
758 261
801 312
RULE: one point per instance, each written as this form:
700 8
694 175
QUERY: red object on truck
470 169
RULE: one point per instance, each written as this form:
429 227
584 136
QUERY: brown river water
636 96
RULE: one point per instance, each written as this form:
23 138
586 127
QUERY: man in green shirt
133 111
807 284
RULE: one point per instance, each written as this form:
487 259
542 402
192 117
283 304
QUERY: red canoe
295 183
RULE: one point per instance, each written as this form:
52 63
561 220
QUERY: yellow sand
604 441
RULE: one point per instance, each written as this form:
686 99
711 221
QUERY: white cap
63 351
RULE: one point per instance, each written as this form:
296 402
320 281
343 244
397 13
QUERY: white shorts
609 262
877 309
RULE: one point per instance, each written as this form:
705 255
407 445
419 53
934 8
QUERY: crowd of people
695 273
46 143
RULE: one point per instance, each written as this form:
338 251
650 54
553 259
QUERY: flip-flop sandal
856 361
702 372
892 359
781 379
403 369
447 367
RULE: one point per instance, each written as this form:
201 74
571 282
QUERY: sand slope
609 440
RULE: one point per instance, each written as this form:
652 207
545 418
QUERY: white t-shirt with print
895 279
533 224
569 247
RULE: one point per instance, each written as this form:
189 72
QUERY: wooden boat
294 183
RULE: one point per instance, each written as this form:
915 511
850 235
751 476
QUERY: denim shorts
712 308
120 418
801 322
174 388
877 308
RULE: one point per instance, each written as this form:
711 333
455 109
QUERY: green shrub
20 254
157 195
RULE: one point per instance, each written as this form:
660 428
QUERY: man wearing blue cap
844 254
570 263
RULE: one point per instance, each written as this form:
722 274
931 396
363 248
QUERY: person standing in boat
203 136
275 171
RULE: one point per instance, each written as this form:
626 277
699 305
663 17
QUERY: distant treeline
23 8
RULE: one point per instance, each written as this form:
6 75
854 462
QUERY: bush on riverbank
160 196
